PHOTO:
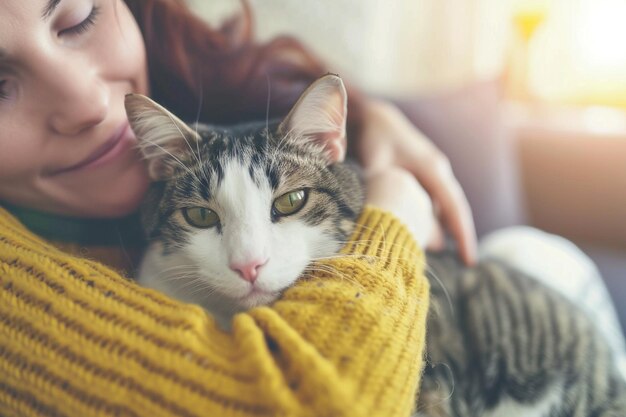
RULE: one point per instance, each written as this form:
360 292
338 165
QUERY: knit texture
77 339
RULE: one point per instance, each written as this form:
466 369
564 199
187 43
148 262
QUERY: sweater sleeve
77 339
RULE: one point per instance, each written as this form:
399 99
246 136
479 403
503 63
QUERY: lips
103 153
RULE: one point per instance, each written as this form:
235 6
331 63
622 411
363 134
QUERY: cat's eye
200 217
290 203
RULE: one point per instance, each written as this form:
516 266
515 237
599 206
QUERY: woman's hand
390 140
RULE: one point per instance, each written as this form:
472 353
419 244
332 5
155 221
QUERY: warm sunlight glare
603 36
601 120
580 56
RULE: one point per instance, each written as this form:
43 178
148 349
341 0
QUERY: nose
81 100
249 271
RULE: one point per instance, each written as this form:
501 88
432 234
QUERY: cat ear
164 140
320 115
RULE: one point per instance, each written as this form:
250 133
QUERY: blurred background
526 97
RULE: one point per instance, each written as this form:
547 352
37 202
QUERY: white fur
511 408
508 407
247 233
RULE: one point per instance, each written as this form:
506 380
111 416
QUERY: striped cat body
501 344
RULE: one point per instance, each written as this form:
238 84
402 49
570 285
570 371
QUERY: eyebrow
49 9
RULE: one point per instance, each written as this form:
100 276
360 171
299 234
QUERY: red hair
224 69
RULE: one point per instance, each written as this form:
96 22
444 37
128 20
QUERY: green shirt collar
83 231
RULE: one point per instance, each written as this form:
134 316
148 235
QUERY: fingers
455 212
457 216
389 130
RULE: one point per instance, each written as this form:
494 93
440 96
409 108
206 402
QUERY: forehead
237 160
257 143
243 190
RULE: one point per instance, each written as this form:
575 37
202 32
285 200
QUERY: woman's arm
78 339
388 139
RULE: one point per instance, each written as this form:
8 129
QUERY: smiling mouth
107 151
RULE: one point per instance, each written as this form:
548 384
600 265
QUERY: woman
76 338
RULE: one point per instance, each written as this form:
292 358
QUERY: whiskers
431 274
195 126
316 267
148 156
267 108
421 262
185 279
441 400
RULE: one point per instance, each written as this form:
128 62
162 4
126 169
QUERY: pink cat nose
250 270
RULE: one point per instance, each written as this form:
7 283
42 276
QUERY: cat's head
244 210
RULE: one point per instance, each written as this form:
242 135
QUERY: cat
235 216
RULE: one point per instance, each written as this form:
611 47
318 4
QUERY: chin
123 207
125 195
258 300
115 199
109 208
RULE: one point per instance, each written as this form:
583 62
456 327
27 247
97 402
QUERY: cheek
18 154
299 239
295 245
207 251
122 48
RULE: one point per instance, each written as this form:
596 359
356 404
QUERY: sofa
500 175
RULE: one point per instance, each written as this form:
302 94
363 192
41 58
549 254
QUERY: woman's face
65 144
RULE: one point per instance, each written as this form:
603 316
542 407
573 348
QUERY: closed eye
83 26
3 93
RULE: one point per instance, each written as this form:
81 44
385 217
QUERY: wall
397 47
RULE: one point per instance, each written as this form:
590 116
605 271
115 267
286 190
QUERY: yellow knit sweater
77 339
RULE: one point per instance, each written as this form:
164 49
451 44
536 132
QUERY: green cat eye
290 203
200 217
